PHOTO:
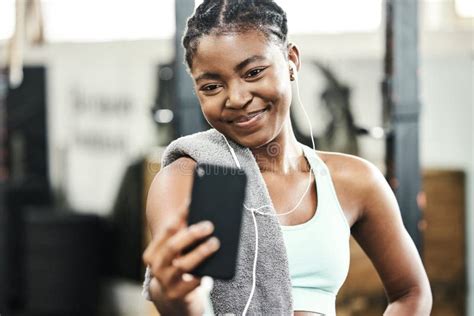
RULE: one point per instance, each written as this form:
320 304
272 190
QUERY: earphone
257 210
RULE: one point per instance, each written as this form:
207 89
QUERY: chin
253 140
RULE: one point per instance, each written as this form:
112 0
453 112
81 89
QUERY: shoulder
349 168
344 162
180 168
356 181
172 176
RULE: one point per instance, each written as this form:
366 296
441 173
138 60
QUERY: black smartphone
218 196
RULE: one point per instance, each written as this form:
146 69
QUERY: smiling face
242 81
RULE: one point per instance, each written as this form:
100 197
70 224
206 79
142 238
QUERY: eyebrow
247 61
237 68
207 75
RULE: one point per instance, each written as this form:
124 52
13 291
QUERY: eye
210 87
254 72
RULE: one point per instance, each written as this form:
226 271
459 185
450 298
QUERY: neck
282 155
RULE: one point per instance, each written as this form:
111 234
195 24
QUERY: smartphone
218 195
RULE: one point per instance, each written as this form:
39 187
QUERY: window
111 20
334 16
108 20
7 18
465 8
92 21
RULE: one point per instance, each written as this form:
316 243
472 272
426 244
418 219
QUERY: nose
238 96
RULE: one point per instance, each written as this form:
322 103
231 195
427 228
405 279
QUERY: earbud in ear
292 74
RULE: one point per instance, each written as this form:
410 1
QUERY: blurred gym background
92 91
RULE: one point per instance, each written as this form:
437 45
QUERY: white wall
91 141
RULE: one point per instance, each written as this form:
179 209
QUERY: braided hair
234 16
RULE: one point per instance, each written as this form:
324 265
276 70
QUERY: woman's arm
380 232
172 289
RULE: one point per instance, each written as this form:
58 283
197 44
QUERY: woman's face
242 81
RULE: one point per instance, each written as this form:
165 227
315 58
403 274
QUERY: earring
292 74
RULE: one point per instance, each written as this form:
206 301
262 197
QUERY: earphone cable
256 210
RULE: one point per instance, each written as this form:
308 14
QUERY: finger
158 292
155 289
162 265
186 238
160 258
168 276
186 284
191 260
173 284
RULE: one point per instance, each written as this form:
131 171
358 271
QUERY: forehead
224 51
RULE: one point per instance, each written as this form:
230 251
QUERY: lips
251 121
247 117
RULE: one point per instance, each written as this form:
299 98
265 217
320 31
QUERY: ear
294 56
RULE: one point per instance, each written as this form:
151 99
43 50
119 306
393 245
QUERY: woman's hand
173 289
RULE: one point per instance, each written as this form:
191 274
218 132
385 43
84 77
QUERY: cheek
210 108
278 90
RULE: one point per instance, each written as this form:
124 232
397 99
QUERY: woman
244 72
